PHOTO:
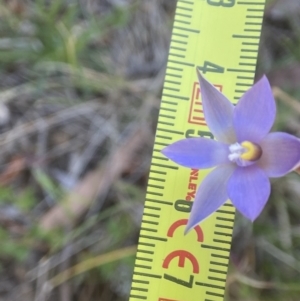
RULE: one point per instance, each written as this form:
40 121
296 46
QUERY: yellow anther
252 151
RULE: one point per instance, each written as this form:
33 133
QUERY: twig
104 131
280 255
32 127
287 99
91 263
238 277
94 183
41 279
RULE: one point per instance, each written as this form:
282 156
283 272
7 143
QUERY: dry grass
80 83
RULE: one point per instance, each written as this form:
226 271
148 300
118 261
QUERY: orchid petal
211 194
249 189
197 152
218 111
280 154
255 112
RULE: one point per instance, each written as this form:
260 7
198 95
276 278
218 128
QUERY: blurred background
80 85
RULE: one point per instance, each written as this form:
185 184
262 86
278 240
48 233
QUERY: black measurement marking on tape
139 289
159 202
157 179
168 109
176 55
249 50
222 241
165 166
169 131
254 23
255 9
145 252
147 244
254 17
222 233
171 89
182 63
156 186
175 96
247 64
180 35
219 256
182 22
160 158
245 57
152 208
214 294
154 237
248 78
165 116
170 102
158 172
154 193
178 42
149 230
240 91
184 8
144 259
214 248
151 215
183 15
240 70
225 219
150 222
138 297
225 212
147 267
147 275
187 2
250 3
210 285
186 29
224 226
240 36
250 44
251 30
219 263
217 279
173 82
218 271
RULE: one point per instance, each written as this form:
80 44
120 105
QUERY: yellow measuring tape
221 39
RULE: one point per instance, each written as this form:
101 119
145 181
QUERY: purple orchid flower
245 153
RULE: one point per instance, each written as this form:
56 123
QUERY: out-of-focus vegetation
80 83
